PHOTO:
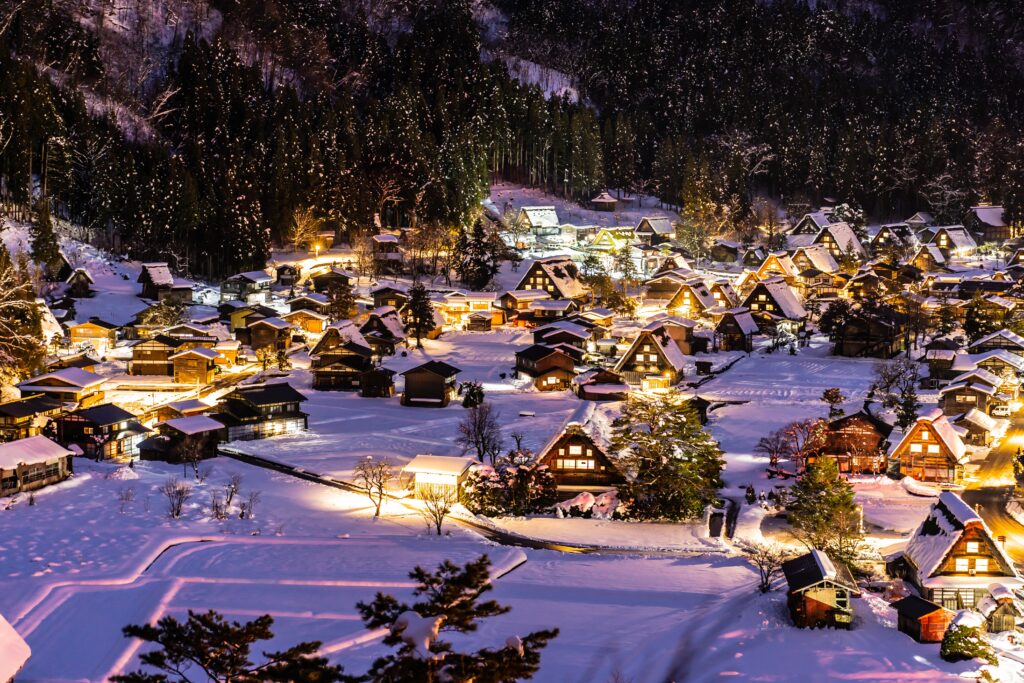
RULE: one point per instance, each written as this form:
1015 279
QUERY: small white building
438 470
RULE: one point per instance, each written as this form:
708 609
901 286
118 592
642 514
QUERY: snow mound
916 488
418 631
123 474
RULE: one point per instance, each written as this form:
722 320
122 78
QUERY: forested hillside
194 130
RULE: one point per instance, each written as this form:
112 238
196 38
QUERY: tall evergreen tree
45 250
823 513
419 317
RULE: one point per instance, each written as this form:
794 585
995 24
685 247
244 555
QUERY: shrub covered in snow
589 506
508 489
964 640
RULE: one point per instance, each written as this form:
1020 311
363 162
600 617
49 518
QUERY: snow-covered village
503 340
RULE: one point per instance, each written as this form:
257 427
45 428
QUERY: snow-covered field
629 213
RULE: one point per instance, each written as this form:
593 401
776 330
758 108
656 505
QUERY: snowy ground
629 213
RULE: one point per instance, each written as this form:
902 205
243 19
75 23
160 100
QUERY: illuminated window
915 448
961 564
972 547
925 435
576 450
981 564
933 448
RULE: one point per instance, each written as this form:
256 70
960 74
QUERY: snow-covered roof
557 268
976 386
845 238
785 297
76 377
1011 337
978 419
959 237
921 217
439 464
81 271
274 322
527 294
14 651
934 252
563 326
389 317
194 424
189 405
989 215
1011 359
743 319
783 260
385 237
943 430
256 276
34 449
201 351
979 375
159 273
550 304
658 225
936 536
819 256
603 198
541 216
306 313
349 332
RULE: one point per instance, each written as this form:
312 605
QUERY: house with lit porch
931 450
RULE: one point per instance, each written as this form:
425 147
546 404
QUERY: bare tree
178 493
304 229
768 558
217 508
191 450
775 446
438 501
247 510
231 489
804 438
481 432
373 477
125 495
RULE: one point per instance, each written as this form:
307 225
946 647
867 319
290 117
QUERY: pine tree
479 257
419 317
823 514
341 300
45 250
207 645
676 464
450 601
962 642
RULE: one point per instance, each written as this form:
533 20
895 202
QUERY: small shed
922 620
481 321
80 284
604 202
438 470
430 384
1001 609
377 382
819 591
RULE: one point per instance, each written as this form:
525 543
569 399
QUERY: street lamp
316 247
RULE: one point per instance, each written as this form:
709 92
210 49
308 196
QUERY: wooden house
1002 339
724 251
309 301
753 257
931 450
872 333
564 333
988 224
26 416
456 307
252 287
481 321
841 241
655 230
657 357
82 361
384 331
377 382
517 302
307 320
929 259
577 461
287 274
819 591
273 333
153 356
772 302
540 221
197 365
395 296
30 464
432 471
610 241
558 276
922 620
920 220
976 427
952 557
324 279
102 432
70 385
1001 608
692 300
735 330
811 223
227 352
952 240
894 238
600 384
184 439
158 284
182 408
430 384
387 253
974 389
256 411
80 284
341 359
604 202
857 443
778 264
100 334
550 369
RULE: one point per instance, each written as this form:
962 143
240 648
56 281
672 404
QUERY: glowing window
981 564
972 547
961 564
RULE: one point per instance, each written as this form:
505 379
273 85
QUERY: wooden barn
430 384
820 591
1001 609
922 620
257 411
551 369
577 461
